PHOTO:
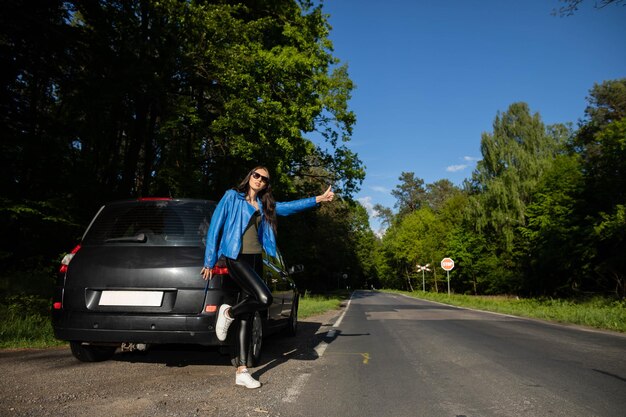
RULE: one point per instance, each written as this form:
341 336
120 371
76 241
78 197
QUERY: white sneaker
223 323
244 379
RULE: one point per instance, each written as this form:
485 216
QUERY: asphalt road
388 355
396 356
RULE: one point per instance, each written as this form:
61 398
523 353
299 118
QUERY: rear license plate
131 298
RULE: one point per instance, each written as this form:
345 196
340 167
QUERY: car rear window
153 223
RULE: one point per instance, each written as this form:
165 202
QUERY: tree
601 145
571 6
409 194
36 221
514 157
118 99
553 255
385 214
439 192
331 241
191 95
35 49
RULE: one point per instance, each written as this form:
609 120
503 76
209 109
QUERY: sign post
423 268
447 264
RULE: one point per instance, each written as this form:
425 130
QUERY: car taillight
67 259
220 270
216 270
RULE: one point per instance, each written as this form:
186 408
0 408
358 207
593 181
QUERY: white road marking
338 322
294 391
321 347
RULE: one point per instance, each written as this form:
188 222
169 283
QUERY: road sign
447 264
423 268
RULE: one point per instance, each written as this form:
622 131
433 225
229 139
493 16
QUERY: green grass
25 322
25 331
312 305
598 312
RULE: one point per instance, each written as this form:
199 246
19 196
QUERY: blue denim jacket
231 218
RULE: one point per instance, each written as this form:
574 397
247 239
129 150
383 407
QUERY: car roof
156 199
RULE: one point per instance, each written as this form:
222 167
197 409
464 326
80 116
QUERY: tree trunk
408 278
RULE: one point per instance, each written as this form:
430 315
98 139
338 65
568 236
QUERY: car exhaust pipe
131 347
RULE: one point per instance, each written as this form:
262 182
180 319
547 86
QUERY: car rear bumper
154 329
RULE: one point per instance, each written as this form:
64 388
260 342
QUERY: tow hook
131 347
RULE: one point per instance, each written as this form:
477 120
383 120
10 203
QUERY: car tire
292 323
256 344
91 353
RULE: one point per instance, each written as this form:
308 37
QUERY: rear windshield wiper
139 238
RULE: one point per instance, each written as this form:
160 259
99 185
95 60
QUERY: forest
543 213
107 100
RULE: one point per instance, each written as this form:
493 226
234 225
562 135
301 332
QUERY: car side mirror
296 269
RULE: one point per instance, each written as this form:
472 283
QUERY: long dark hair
267 199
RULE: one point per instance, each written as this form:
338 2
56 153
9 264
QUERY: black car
134 280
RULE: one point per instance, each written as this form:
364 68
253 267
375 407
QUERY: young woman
244 222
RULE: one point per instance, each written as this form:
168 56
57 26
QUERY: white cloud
378 229
369 206
455 168
379 188
471 158
460 167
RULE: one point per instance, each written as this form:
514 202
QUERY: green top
250 241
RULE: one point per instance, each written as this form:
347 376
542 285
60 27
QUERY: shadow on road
277 349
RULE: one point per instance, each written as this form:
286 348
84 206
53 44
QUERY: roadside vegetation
25 323
542 216
312 305
600 312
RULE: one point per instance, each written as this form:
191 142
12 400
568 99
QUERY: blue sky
431 75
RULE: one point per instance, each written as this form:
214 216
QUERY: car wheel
256 343
292 324
91 353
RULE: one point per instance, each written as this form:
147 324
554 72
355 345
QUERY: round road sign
447 264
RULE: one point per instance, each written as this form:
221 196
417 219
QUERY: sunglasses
256 176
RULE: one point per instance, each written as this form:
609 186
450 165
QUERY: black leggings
246 271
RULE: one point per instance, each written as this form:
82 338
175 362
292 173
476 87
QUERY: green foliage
385 214
571 6
439 193
514 157
332 241
33 234
601 145
542 215
25 322
312 305
118 99
552 234
409 194
418 235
